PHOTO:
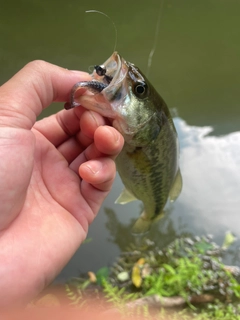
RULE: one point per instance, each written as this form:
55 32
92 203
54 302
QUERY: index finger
60 127
32 89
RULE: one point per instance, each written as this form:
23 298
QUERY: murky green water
196 68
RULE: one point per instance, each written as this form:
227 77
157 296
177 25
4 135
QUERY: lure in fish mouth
102 76
111 87
148 163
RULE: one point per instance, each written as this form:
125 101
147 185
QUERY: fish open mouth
105 90
109 73
110 93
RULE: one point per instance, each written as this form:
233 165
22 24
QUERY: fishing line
155 38
115 28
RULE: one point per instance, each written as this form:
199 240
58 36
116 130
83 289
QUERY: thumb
32 89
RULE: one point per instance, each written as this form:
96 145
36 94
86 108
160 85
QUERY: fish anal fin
125 197
176 187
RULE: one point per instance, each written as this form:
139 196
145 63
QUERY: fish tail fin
141 226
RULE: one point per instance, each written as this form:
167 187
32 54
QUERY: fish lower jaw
88 102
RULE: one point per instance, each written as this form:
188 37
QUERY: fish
148 164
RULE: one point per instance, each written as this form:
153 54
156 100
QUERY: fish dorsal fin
176 187
125 197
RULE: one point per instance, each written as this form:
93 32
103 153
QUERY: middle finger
75 145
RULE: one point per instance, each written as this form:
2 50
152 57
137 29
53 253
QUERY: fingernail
94 167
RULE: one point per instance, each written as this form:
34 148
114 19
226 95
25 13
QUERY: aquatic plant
118 297
184 277
188 271
186 267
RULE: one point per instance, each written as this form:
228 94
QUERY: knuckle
37 64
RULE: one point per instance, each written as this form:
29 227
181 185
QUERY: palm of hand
52 215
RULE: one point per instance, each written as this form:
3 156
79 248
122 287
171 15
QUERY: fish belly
148 173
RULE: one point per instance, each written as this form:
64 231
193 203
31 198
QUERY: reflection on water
121 233
209 202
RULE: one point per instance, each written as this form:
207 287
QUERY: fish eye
100 70
140 89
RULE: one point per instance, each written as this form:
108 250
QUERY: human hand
45 207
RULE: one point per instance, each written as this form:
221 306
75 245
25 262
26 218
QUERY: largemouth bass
148 163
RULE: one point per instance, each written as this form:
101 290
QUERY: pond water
196 68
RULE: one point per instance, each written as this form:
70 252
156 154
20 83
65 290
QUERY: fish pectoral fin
125 197
176 187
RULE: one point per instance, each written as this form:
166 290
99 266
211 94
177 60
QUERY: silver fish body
148 164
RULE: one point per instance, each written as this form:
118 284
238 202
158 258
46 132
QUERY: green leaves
187 267
228 240
72 295
180 278
118 297
102 275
